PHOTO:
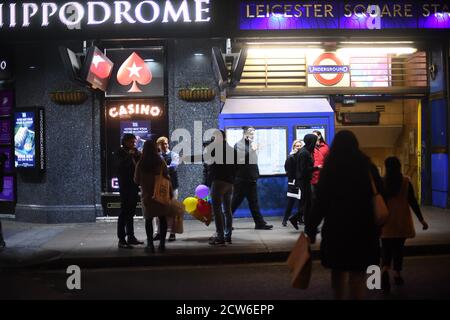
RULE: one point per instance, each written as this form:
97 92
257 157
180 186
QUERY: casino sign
328 70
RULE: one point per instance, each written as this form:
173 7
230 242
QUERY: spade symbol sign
134 70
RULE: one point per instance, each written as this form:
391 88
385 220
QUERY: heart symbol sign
134 70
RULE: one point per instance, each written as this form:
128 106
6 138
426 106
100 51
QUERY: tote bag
161 193
300 263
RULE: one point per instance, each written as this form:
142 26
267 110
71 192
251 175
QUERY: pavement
94 245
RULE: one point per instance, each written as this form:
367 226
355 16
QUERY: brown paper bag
300 263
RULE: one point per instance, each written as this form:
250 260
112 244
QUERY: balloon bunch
200 206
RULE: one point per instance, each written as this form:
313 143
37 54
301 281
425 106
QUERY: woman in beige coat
147 168
399 195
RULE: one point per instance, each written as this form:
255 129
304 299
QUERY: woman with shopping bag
348 201
156 192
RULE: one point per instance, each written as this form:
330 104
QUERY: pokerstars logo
100 67
134 71
328 69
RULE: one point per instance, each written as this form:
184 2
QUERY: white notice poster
271 146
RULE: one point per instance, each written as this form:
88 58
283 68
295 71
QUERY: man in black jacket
127 156
221 160
305 169
247 175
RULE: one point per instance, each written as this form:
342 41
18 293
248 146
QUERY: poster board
272 147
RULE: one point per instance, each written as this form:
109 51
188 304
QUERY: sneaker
124 245
172 237
294 222
399 281
301 221
134 241
216 242
228 240
385 282
156 237
284 223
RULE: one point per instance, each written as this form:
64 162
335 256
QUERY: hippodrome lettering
101 12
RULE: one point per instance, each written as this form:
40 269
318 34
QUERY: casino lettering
14 15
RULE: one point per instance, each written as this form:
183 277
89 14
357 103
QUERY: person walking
245 185
3 159
305 169
127 157
350 234
221 171
173 160
293 192
320 153
399 195
151 165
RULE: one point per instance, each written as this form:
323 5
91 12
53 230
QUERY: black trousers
290 204
1 232
125 224
162 229
392 249
247 189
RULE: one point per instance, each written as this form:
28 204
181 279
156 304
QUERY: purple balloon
202 191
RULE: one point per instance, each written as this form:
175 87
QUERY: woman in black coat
293 194
350 236
305 169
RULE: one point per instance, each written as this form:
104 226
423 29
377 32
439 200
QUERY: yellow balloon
190 204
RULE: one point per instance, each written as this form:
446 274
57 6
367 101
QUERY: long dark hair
393 178
346 167
319 136
150 160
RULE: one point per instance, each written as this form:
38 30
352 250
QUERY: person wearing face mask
245 185
305 170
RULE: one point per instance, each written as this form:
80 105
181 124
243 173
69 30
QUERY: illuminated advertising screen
141 129
7 193
302 131
28 139
271 144
24 139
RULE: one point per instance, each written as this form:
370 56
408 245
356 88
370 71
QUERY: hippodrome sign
327 70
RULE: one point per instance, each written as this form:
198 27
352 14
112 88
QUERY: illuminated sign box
29 139
292 15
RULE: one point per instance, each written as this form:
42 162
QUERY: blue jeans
221 192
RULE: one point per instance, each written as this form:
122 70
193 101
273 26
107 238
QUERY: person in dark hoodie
247 175
305 169
221 159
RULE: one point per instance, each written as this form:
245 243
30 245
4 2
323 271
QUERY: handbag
379 206
300 263
177 211
161 192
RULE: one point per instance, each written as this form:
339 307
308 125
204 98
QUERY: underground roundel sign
328 70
